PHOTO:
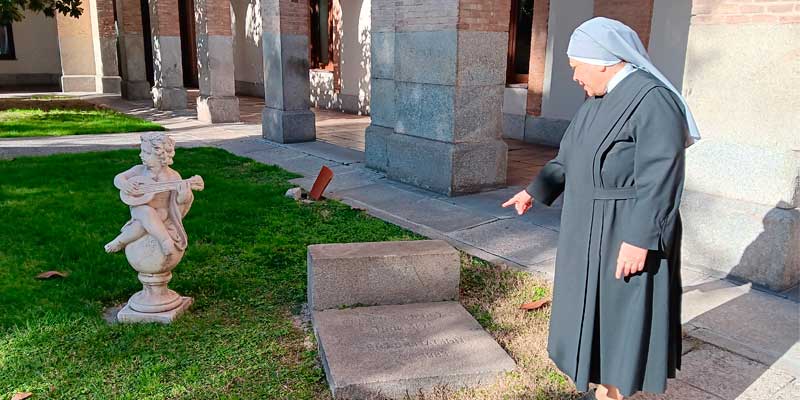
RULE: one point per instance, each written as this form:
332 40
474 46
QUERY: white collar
619 76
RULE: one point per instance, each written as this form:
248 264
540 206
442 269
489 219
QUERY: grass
56 116
245 267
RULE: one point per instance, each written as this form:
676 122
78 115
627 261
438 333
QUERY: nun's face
592 78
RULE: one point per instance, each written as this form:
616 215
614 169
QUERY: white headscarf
604 41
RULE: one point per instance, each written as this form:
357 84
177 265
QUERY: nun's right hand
521 201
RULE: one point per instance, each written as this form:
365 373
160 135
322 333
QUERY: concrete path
741 342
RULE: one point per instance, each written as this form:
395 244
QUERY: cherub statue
157 196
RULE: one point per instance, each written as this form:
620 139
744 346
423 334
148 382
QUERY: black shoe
589 395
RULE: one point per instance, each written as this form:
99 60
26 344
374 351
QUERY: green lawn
27 122
245 267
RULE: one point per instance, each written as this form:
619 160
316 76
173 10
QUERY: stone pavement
742 342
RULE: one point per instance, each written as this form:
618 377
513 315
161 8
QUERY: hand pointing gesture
521 201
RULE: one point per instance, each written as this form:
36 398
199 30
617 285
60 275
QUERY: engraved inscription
386 345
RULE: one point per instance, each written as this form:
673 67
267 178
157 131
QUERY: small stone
295 193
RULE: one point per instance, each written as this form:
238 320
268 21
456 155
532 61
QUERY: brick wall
288 17
426 15
383 15
484 15
745 12
638 14
105 18
165 21
218 17
131 16
541 16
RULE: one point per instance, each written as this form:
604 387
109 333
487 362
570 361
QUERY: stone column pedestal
131 50
168 92
287 117
437 93
217 101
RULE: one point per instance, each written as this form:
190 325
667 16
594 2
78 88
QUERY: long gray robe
621 169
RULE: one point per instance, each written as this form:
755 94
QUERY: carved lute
148 188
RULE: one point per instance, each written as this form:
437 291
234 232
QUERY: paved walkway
741 343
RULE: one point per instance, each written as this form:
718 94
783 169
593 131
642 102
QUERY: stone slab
436 50
127 315
395 351
382 102
482 58
745 240
382 54
415 207
330 152
769 177
286 79
425 110
380 273
375 138
214 109
518 241
755 324
514 126
728 375
283 126
546 131
490 203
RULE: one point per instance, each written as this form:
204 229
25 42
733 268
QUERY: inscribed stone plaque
390 351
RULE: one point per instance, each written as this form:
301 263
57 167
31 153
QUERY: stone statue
154 239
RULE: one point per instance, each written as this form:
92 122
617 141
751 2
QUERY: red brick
637 14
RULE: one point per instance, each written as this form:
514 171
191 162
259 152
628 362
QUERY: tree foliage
14 10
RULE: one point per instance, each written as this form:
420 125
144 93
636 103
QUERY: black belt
615 193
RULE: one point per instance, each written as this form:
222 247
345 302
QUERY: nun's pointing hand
521 201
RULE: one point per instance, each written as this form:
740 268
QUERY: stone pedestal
131 51
439 88
286 117
168 98
217 101
284 126
128 315
412 337
218 109
104 37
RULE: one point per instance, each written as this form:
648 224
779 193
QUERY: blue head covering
604 41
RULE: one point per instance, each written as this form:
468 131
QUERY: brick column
104 38
637 14
382 84
168 92
449 76
287 117
131 50
217 101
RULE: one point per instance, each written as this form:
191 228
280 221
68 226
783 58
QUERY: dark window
321 33
6 43
519 40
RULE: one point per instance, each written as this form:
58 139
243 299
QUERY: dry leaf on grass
21 396
535 305
52 274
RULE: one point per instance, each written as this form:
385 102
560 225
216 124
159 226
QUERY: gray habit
621 169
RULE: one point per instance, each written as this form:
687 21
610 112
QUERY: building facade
445 80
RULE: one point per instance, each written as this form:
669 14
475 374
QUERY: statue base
128 315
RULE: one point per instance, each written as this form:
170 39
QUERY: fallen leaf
52 274
535 305
21 396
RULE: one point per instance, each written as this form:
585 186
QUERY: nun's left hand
630 260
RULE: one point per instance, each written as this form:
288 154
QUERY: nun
620 167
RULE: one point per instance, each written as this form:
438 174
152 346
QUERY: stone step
381 273
399 350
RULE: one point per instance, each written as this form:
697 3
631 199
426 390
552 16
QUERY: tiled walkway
347 130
